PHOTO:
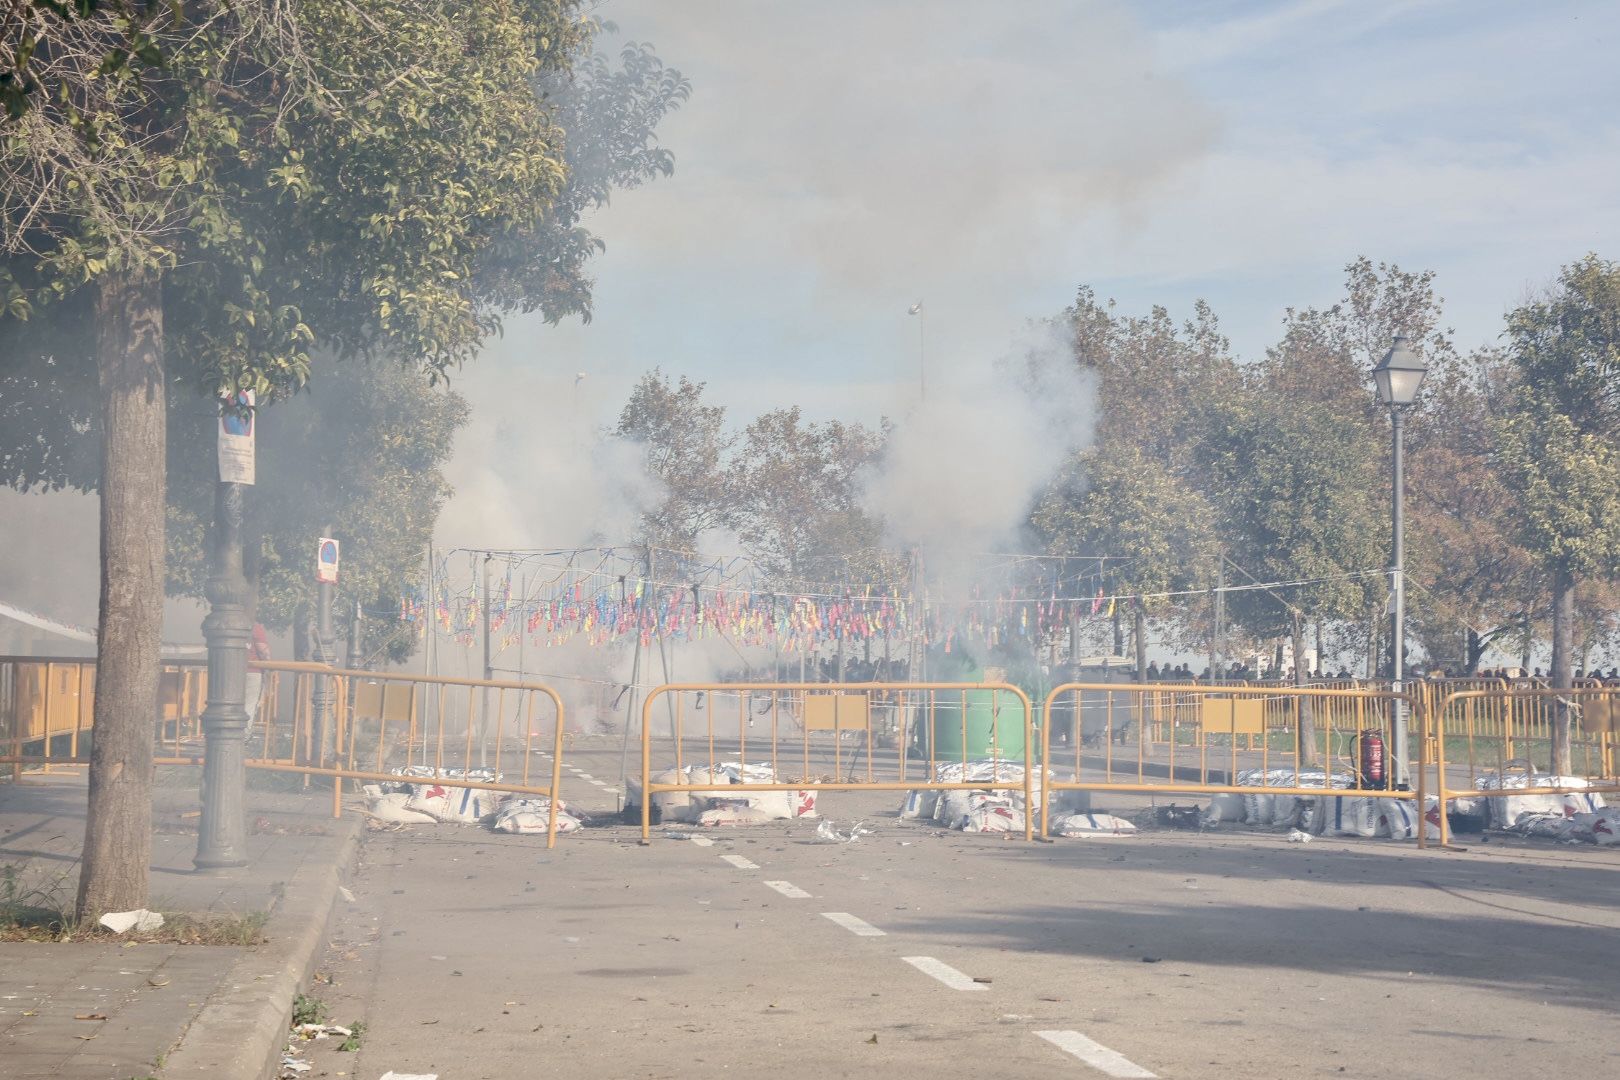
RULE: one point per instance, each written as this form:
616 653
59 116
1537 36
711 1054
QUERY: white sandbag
390 807
734 815
1351 815
1257 808
1091 825
453 805
1286 810
532 814
919 805
952 809
1600 827
993 813
1507 810
1225 806
1398 820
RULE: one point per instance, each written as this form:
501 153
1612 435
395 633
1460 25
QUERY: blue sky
840 160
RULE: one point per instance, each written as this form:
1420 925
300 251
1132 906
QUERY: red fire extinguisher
1371 759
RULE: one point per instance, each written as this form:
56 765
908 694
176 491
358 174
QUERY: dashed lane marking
1096 1055
943 972
740 863
702 841
858 927
788 889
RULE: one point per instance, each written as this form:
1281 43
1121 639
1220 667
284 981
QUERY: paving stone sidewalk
109 1011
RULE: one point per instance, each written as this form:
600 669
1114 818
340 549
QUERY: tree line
1209 467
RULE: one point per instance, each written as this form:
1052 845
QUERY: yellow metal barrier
1298 728
378 722
46 700
1512 731
807 727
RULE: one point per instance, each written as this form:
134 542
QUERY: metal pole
356 636
489 674
922 357
222 829
1400 759
325 653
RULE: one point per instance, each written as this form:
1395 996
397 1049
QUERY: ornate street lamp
1398 376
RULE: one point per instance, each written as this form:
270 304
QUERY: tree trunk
1373 621
1473 652
1307 709
1562 675
1139 633
118 825
1119 632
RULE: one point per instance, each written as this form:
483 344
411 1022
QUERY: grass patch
357 1031
44 912
308 1010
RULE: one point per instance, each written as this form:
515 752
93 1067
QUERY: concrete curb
241 1031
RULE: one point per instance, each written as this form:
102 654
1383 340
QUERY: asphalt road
915 953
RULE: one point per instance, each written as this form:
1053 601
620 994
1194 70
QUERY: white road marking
788 889
586 776
598 783
858 927
1096 1055
702 841
943 972
739 862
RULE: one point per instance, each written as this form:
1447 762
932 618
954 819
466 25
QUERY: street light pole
922 355
222 826
1398 377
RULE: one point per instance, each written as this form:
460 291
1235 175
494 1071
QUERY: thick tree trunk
1119 632
1307 707
1473 652
1562 675
118 828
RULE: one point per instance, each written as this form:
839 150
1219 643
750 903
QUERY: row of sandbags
418 798
1372 816
1002 809
719 796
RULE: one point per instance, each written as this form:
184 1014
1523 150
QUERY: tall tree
1120 502
289 174
685 446
1556 447
798 491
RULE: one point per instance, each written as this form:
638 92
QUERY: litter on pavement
140 920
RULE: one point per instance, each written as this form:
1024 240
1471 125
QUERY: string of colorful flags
566 598
603 596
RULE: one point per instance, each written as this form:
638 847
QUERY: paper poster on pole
326 561
236 424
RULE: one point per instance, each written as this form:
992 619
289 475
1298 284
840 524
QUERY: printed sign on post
236 422
326 561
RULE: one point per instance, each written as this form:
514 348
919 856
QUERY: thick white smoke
964 467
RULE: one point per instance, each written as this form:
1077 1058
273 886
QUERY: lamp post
1397 377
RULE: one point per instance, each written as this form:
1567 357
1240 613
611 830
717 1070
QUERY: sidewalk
216 1011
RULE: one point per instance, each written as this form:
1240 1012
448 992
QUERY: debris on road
1297 836
827 833
140 920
